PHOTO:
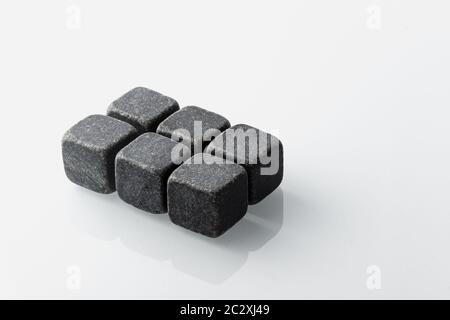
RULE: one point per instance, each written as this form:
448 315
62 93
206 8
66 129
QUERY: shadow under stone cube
143 108
260 153
180 126
206 195
142 170
89 149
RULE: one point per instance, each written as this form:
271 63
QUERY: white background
358 91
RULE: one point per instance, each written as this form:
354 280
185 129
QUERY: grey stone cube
89 149
206 195
193 126
143 108
260 153
142 170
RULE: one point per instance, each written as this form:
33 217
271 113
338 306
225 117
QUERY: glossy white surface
362 109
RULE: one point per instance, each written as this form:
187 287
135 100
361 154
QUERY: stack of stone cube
139 150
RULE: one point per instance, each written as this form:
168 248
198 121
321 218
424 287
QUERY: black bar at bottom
226 309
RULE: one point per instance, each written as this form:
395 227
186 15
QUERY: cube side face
143 108
260 186
233 202
193 209
265 178
86 167
142 188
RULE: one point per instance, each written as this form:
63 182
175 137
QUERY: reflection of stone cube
142 170
89 149
143 108
208 198
260 153
180 126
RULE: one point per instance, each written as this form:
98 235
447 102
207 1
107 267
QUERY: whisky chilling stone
142 170
89 149
206 195
143 108
260 153
193 126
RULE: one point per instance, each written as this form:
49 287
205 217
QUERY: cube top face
150 151
99 132
207 173
245 144
143 108
207 197
193 126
